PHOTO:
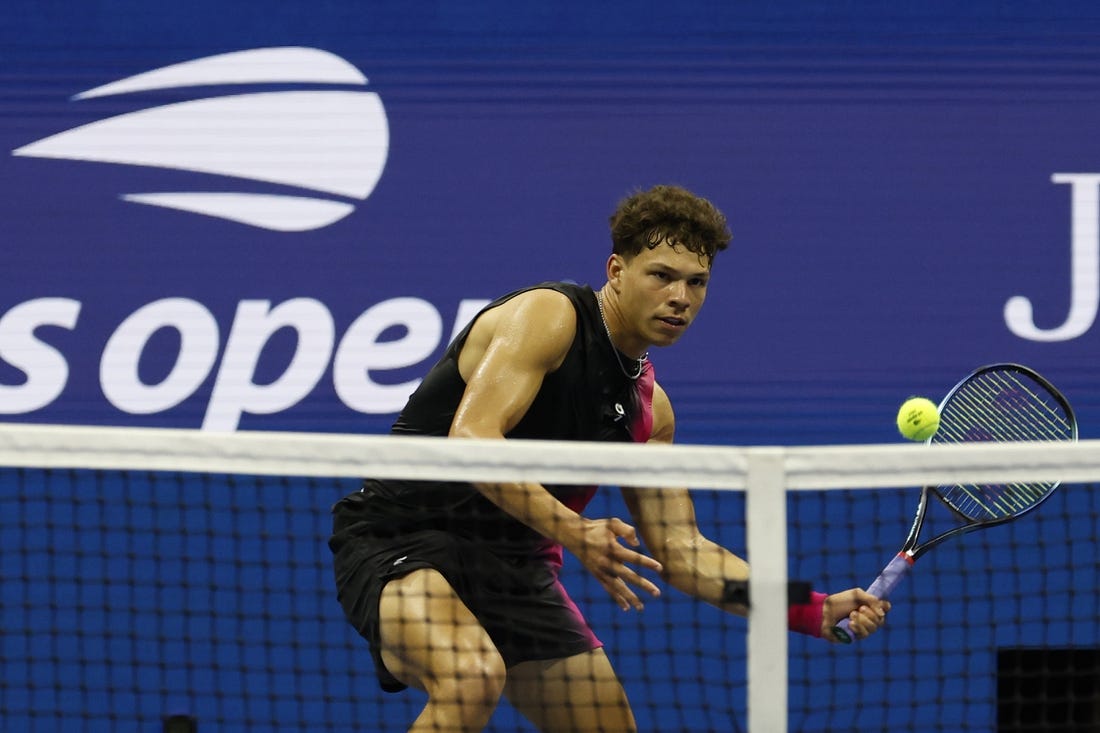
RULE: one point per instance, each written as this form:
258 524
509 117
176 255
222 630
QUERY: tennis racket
999 402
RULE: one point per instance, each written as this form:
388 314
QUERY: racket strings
1002 410
998 406
1031 411
988 501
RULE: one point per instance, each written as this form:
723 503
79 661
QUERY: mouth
673 322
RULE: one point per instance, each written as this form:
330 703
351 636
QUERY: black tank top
587 398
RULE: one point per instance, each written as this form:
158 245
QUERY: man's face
660 292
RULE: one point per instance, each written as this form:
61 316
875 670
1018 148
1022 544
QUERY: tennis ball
918 418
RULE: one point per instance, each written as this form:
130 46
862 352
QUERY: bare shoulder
541 313
664 419
545 302
537 325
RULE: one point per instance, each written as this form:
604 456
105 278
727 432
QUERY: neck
609 312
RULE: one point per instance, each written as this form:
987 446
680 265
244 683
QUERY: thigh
428 635
577 694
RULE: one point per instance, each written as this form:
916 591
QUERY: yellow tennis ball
918 418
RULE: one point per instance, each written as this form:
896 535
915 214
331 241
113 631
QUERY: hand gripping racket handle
883 586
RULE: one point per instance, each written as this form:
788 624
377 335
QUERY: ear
615 266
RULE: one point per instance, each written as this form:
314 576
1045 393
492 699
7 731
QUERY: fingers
866 614
866 620
618 577
624 594
624 597
624 530
637 558
612 564
869 616
864 598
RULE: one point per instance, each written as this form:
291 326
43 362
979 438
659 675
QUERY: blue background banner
273 216
893 178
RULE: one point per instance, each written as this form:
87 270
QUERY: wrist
806 618
571 532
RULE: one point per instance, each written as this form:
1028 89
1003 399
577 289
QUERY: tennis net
150 573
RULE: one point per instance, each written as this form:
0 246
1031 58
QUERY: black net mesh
129 597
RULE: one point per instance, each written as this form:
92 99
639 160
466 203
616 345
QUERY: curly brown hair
669 214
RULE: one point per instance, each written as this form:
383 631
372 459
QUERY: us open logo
330 143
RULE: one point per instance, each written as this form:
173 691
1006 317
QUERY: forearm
701 569
536 507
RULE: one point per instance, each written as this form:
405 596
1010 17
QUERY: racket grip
883 586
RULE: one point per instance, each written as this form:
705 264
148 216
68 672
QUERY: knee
474 682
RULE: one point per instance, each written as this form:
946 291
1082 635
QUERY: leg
431 641
578 694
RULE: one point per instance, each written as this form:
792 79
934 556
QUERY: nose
678 294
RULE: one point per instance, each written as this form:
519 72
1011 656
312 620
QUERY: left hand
866 613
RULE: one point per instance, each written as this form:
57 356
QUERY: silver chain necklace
641 360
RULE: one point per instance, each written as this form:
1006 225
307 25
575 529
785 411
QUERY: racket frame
970 524
911 550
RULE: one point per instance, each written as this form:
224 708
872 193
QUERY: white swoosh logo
329 141
279 213
256 66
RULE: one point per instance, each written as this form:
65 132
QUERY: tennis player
455 586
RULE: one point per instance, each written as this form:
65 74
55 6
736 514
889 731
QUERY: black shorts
520 603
